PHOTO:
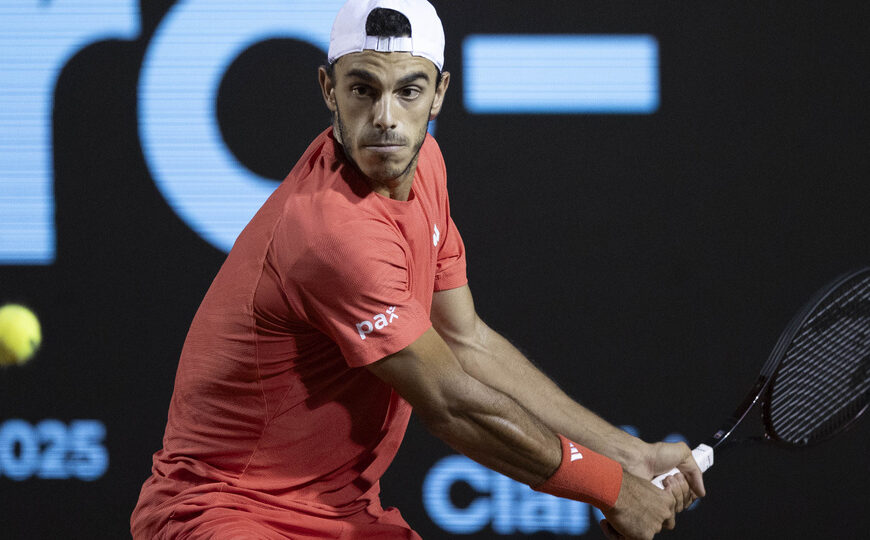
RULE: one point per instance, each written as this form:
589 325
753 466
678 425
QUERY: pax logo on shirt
378 321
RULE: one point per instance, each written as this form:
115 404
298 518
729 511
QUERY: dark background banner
647 261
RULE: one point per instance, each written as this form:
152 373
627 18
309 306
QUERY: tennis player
342 307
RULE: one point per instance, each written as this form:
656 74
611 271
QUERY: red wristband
585 476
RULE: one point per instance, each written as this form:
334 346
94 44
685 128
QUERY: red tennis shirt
274 421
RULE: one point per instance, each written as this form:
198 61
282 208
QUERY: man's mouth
385 148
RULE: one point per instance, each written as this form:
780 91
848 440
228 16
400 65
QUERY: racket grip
703 455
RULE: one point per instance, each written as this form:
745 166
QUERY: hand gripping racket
816 382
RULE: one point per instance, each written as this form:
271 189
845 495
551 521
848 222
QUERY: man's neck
398 188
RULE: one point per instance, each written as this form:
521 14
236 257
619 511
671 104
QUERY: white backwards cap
349 30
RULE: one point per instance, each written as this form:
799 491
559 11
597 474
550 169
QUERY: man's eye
409 93
361 91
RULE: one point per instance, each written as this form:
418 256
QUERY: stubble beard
387 175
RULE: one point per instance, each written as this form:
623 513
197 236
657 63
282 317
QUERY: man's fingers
678 487
696 482
675 486
694 476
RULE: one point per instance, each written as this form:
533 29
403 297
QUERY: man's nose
384 115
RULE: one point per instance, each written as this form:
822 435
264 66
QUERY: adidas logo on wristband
575 454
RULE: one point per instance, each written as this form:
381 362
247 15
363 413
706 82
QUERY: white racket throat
703 455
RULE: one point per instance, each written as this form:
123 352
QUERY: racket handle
703 455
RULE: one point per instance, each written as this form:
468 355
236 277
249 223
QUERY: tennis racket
816 382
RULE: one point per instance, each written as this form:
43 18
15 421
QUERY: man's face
382 104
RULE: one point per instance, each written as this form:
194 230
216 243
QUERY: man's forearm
474 418
497 363
492 427
494 430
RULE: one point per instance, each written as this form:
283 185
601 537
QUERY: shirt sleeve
450 270
354 287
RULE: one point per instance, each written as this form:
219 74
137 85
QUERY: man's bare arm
491 359
492 428
475 419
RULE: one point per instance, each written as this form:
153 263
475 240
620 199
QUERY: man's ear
440 92
327 88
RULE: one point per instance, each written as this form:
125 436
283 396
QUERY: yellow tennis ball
20 334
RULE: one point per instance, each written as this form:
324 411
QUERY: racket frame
763 385
782 347
761 389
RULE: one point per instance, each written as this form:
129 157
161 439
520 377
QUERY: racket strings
824 377
820 405
805 418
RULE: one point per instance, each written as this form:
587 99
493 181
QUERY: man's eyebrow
407 79
361 74
368 77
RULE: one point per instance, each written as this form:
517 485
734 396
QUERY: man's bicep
454 317
483 352
425 373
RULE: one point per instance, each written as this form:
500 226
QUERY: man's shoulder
320 188
342 247
318 159
331 221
